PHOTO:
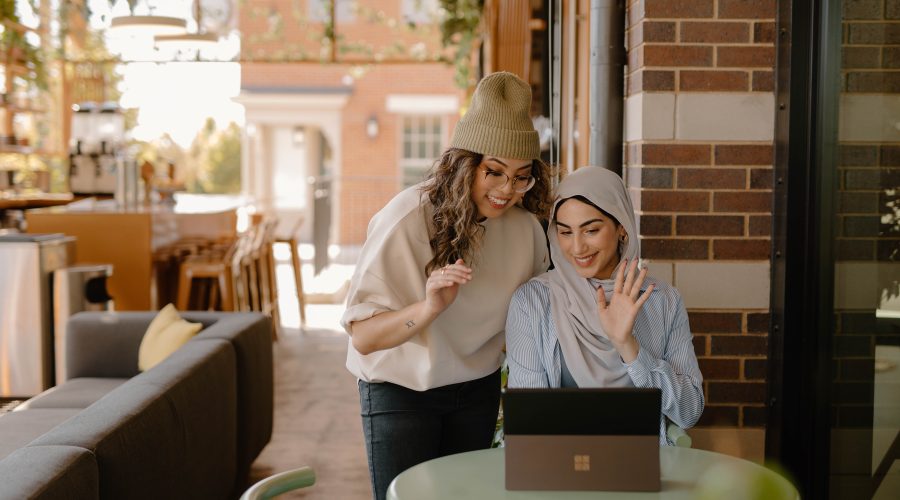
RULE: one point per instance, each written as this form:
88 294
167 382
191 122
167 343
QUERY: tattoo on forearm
410 324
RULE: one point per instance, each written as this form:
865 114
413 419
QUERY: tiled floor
316 402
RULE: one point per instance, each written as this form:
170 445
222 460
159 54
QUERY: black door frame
800 340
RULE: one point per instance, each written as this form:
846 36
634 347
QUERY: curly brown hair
456 233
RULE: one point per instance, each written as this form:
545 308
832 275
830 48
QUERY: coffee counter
127 237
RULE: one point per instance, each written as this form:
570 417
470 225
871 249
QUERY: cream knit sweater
465 342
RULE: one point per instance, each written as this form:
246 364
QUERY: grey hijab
588 353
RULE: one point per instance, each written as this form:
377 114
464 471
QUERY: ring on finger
442 270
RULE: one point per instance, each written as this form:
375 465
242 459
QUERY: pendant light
146 25
200 39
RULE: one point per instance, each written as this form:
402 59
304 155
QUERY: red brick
764 33
743 154
742 202
742 249
761 178
709 225
675 154
659 80
753 416
678 8
660 32
745 57
754 369
720 369
763 81
674 201
738 345
700 343
636 57
760 225
719 415
758 322
635 12
724 81
714 322
677 55
715 32
712 178
746 9
737 392
656 225
675 249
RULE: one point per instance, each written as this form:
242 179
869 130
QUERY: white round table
480 475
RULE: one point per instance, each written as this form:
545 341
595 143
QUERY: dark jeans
404 427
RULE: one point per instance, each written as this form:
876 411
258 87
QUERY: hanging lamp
196 40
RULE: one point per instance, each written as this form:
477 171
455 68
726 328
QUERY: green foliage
459 30
216 156
15 43
212 164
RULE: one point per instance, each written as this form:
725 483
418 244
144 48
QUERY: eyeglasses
496 179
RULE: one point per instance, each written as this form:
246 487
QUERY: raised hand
617 317
443 285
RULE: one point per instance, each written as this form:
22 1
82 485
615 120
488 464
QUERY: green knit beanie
498 121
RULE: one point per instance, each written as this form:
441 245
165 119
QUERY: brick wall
369 174
699 132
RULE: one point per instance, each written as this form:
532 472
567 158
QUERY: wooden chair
214 264
259 270
291 239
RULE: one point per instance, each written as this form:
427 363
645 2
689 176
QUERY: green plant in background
16 48
215 165
459 30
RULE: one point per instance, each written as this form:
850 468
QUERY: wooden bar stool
291 239
214 264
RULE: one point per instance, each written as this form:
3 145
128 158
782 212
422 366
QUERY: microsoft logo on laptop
582 463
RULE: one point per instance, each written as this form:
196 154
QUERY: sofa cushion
18 428
49 473
166 333
76 393
168 432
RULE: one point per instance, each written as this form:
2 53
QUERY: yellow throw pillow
166 333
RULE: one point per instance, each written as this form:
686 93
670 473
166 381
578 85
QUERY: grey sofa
187 428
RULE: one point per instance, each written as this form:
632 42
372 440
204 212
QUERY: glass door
865 365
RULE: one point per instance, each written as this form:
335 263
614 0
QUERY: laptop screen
625 411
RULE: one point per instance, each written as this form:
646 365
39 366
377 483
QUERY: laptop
582 439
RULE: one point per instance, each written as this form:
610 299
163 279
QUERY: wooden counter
126 237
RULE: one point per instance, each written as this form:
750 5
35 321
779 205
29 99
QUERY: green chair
282 482
678 436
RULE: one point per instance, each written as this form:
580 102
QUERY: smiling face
588 238
491 192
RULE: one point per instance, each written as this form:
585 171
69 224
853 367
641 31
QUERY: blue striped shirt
666 359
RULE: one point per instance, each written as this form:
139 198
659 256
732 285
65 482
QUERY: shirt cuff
639 369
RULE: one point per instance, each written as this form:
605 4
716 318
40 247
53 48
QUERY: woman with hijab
594 320
427 302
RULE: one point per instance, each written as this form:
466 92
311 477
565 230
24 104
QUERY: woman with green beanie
428 300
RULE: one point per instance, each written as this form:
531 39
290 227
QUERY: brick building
342 131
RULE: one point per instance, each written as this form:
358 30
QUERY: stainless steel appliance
76 289
27 262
